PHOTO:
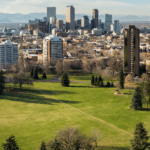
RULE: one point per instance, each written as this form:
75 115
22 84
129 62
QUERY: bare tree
59 67
66 65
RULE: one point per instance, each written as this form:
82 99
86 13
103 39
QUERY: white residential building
52 48
8 53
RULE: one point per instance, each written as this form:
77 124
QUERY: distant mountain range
21 18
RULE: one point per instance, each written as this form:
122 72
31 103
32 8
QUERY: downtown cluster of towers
83 23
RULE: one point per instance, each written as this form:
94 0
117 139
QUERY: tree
108 84
54 145
140 141
129 78
99 81
31 73
35 74
142 69
92 80
66 65
145 77
145 92
121 79
59 67
44 76
10 144
95 82
20 78
111 84
2 82
43 146
65 79
101 84
137 99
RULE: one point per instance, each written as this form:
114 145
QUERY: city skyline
108 6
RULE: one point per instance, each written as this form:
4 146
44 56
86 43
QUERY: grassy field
35 115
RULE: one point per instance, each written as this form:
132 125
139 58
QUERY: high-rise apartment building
116 26
52 48
85 22
8 53
131 50
59 25
51 12
95 18
108 21
70 18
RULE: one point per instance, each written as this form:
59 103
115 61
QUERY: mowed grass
32 116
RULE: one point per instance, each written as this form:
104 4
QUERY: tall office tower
41 26
85 22
131 50
52 48
108 21
59 25
70 18
8 53
51 12
116 26
95 18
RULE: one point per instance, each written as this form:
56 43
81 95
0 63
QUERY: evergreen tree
43 146
95 82
10 144
44 76
92 80
121 78
108 84
31 73
99 82
2 82
137 99
112 84
140 138
35 74
65 79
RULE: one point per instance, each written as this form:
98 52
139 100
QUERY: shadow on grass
112 148
33 96
81 86
143 109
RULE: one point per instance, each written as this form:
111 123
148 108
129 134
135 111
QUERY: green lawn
32 116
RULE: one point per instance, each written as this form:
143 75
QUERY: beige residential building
59 25
52 48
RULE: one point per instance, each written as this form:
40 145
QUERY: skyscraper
59 25
70 18
51 12
131 50
95 18
108 21
116 26
85 22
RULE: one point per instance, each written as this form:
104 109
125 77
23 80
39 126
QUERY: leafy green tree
65 79
140 141
101 83
31 73
44 76
108 84
92 80
111 84
43 146
145 92
121 79
95 82
137 99
10 144
2 82
35 74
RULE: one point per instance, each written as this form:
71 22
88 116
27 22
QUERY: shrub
65 79
10 144
44 76
101 84
129 78
43 146
92 80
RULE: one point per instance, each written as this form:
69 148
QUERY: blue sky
115 7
